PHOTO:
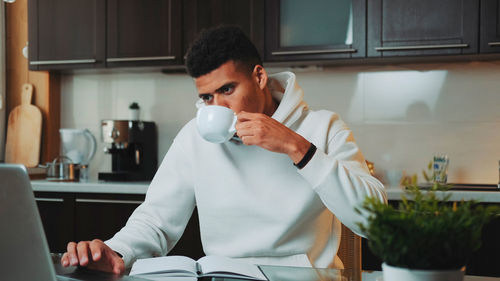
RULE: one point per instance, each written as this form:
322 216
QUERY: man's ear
260 75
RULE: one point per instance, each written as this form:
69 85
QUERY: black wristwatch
307 157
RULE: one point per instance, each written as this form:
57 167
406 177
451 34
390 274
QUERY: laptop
24 252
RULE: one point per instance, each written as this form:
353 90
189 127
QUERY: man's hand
262 130
94 255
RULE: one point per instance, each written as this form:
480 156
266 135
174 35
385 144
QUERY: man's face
231 87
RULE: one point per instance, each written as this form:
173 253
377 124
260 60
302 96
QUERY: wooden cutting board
24 131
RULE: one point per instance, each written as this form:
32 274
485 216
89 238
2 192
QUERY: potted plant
424 237
134 111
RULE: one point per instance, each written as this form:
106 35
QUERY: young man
275 194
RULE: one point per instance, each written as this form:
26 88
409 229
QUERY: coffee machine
133 146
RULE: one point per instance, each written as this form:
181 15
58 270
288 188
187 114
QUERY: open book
209 266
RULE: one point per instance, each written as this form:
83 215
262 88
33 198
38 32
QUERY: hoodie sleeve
157 224
341 178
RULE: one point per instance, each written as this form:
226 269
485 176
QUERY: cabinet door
56 212
102 215
300 30
490 26
247 14
422 27
66 34
143 32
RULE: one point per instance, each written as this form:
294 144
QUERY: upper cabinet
490 26
66 34
422 27
143 32
69 34
300 30
247 14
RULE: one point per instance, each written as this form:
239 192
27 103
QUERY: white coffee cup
216 123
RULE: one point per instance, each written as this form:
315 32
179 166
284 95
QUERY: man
274 194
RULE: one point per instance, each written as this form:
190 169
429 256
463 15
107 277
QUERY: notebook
208 266
24 253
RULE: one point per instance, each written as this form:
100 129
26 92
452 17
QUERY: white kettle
78 145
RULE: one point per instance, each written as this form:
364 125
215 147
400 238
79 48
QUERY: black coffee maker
133 146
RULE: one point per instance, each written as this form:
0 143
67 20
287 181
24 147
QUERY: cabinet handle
49 199
493 44
309 52
109 201
38 62
421 47
140 59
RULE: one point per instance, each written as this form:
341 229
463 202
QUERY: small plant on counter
425 230
134 105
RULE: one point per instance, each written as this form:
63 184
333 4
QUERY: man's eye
206 97
227 89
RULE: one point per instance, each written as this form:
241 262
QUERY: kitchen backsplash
401 115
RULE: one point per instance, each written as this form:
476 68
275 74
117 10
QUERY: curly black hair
218 45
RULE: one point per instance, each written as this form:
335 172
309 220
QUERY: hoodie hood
289 95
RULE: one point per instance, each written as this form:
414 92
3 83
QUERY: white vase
392 273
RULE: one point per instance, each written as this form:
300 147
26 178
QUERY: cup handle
232 130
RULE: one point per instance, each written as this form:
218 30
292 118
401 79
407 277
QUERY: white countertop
91 187
394 193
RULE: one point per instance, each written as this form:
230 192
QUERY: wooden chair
350 251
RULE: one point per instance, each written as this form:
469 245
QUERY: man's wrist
298 149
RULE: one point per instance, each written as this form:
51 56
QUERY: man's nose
220 100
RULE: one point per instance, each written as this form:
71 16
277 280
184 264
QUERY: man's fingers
72 254
65 259
96 249
83 252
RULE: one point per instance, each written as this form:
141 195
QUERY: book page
174 265
225 267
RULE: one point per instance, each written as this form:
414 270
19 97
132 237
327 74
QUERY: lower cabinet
56 211
85 216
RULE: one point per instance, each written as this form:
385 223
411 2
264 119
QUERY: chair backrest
350 251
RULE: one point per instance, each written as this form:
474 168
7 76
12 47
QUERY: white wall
400 115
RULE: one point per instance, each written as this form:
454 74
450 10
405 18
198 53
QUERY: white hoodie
253 203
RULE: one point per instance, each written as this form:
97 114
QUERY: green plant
133 105
425 230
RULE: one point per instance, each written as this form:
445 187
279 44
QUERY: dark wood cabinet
490 26
102 215
297 30
143 32
57 212
422 27
66 34
247 14
85 216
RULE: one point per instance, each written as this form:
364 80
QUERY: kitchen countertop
91 187
393 192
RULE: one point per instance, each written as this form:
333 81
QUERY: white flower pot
392 273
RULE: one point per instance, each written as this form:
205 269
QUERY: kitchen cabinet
56 211
297 30
85 216
490 26
66 34
70 34
422 27
247 14
143 32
